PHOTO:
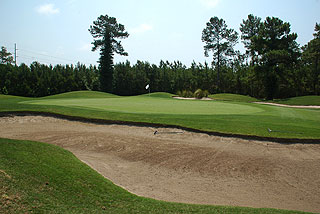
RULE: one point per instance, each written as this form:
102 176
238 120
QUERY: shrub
199 94
187 93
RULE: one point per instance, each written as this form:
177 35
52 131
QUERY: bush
199 94
187 93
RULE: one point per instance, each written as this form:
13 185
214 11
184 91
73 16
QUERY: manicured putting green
235 116
153 105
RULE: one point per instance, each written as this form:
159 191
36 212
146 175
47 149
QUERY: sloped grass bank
225 117
233 97
42 178
300 101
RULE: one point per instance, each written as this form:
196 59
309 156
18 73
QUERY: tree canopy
219 39
105 32
5 56
274 65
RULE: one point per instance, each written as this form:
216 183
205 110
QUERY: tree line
38 80
273 66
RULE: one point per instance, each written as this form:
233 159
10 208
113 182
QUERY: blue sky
54 32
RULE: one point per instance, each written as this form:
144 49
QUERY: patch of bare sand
185 167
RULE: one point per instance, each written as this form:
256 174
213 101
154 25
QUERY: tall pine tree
220 40
105 31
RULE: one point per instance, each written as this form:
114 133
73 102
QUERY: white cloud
210 3
71 2
47 9
85 47
141 29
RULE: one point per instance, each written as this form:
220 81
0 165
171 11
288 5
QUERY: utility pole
15 54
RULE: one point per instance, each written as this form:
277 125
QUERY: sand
180 166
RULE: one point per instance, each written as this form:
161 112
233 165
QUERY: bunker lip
158 125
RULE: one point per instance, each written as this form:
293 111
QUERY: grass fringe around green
41 178
300 101
233 97
238 116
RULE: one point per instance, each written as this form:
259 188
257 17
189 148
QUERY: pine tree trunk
106 65
218 73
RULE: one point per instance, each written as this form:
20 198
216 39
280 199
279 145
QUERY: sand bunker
180 166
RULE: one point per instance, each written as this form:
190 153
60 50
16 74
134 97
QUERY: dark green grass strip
42 178
233 97
301 101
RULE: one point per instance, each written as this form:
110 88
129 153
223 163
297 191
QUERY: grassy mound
81 94
42 178
301 101
233 97
228 117
159 95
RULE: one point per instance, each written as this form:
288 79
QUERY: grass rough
41 178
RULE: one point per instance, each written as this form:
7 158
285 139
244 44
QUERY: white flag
147 87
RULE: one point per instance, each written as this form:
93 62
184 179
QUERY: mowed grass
231 117
42 178
233 97
301 101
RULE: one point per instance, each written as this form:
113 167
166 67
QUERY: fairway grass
233 98
301 101
226 117
42 178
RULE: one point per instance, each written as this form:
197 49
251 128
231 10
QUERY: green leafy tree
5 56
105 31
311 59
250 28
219 39
278 52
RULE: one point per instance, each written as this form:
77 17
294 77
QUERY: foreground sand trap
185 167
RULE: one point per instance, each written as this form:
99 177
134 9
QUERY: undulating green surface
81 95
160 108
42 178
233 97
304 100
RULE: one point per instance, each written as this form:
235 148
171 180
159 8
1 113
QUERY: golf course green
235 116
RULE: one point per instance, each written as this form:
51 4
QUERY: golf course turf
239 118
42 178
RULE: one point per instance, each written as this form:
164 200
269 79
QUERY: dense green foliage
237 116
105 31
42 178
39 80
221 41
273 67
5 56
